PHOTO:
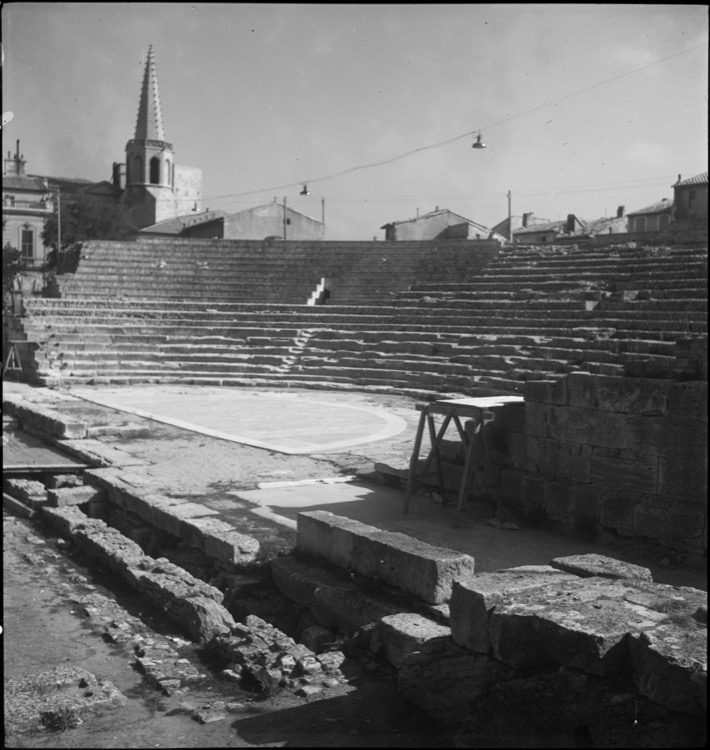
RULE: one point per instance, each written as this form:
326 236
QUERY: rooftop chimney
526 219
620 212
569 226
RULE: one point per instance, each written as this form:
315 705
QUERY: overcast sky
582 107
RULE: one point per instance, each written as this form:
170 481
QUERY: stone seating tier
520 314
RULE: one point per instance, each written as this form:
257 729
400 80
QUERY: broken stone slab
397 559
30 492
345 610
203 618
58 699
669 662
474 599
581 624
65 520
109 545
669 666
231 547
405 633
589 565
298 579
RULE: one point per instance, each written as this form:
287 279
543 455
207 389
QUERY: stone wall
626 456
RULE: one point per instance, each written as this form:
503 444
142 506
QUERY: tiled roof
178 223
550 226
599 225
71 184
438 212
699 179
24 182
661 207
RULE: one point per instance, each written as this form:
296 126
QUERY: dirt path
45 625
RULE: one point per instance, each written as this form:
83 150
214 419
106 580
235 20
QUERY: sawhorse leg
470 464
414 459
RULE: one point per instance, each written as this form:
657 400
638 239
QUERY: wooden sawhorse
480 410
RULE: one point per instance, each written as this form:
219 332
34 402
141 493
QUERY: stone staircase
522 313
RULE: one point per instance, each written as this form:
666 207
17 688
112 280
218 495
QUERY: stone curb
412 566
195 524
44 418
194 605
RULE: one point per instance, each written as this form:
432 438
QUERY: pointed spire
149 125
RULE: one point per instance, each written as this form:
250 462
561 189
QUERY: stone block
526 452
75 495
345 610
397 559
195 531
566 461
557 501
319 537
65 520
587 426
474 599
538 390
535 419
298 580
688 401
580 624
582 390
510 417
618 508
445 680
162 517
632 395
202 618
623 470
231 547
405 633
590 565
683 473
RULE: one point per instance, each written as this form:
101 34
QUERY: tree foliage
86 218
11 266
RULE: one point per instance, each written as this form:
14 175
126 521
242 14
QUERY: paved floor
292 422
306 437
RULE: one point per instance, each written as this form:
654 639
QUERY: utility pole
284 219
59 222
510 217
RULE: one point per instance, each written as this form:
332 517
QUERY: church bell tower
150 162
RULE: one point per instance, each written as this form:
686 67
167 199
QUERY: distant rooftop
699 179
660 207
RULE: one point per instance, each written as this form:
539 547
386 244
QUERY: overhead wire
467 134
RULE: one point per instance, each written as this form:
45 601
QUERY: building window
27 244
155 171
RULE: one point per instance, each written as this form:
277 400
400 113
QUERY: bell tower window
155 171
